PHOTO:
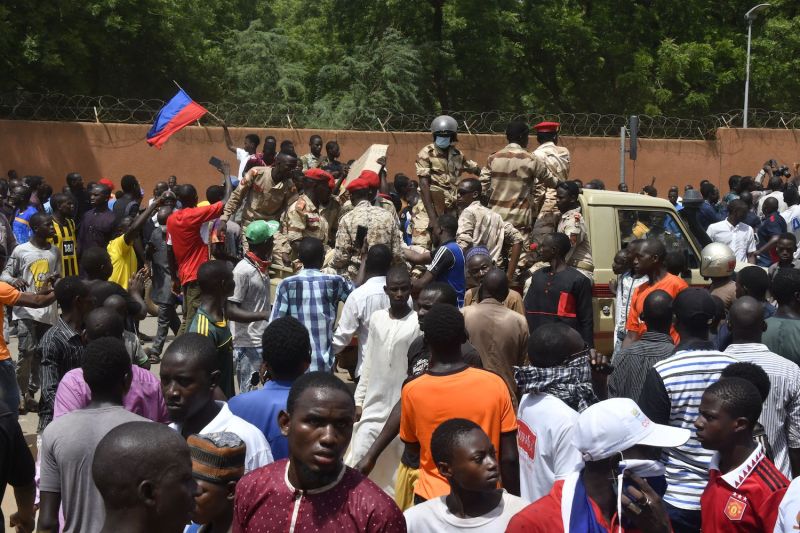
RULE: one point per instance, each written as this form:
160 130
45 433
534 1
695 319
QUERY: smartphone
361 234
215 162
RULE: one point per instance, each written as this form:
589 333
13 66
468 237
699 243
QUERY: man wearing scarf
613 491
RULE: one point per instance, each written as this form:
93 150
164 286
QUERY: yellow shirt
123 261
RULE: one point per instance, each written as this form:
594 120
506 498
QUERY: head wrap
477 250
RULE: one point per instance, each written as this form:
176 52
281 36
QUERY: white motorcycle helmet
717 261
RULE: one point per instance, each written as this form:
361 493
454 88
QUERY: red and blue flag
178 113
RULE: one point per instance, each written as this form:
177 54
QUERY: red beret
547 127
107 182
317 174
358 184
371 177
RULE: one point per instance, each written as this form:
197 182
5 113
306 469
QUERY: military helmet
717 261
444 124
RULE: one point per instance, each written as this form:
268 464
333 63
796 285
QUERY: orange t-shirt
432 398
8 296
670 284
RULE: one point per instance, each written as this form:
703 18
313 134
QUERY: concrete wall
52 149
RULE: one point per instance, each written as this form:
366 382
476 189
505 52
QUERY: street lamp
750 16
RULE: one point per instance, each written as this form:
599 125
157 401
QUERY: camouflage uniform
303 219
418 227
580 256
381 229
480 226
309 161
381 202
556 159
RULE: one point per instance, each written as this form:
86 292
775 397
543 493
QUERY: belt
584 265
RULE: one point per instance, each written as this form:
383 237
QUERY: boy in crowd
744 487
467 459
120 248
286 352
66 234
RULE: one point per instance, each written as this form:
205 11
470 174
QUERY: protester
251 142
286 352
313 489
707 214
313 298
744 487
119 305
127 205
143 491
161 285
783 328
18 470
76 189
734 233
615 439
478 263
626 282
775 188
121 250
499 334
189 374
785 249
559 292
768 233
717 263
97 225
446 263
69 442
65 238
467 459
24 209
312 159
217 464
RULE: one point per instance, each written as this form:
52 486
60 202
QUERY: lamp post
750 16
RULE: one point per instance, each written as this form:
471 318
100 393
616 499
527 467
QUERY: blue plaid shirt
313 298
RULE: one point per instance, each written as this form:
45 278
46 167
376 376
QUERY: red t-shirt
744 499
183 229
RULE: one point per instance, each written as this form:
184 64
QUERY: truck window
646 224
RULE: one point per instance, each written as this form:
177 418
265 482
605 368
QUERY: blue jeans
247 362
9 391
167 320
683 520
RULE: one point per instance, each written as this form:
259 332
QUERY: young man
478 263
66 234
120 248
141 490
466 458
785 249
573 226
451 389
23 211
783 327
304 217
744 487
76 189
251 142
31 267
217 464
768 233
97 226
499 334
313 488
313 298
186 247
607 435
18 471
286 351
558 292
189 374
626 282
447 262
734 233
312 159
127 205
557 386
250 299
161 288
69 442
391 332
61 345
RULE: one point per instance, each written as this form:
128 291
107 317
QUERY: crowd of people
355 354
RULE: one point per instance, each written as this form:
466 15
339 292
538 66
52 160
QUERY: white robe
383 372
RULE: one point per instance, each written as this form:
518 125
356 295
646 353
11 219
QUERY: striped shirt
62 350
632 363
781 413
65 240
671 395
313 298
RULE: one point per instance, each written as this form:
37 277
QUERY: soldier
381 227
515 182
573 226
381 199
303 218
556 159
311 159
439 166
264 192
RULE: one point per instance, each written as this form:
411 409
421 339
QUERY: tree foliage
341 57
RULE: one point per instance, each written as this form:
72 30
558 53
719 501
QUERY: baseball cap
694 303
260 231
615 425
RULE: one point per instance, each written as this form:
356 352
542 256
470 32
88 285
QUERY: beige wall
52 149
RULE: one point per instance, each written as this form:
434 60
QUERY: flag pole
209 112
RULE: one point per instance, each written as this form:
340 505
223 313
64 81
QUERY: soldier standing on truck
439 166
556 159
573 226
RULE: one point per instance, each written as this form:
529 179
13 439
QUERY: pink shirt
144 397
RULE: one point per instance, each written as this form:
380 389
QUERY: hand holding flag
178 113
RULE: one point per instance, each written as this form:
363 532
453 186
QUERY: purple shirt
144 397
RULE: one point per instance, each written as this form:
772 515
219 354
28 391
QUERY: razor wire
110 109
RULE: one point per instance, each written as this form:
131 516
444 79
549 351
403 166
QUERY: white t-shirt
241 156
778 195
251 293
433 516
739 238
789 510
544 439
792 218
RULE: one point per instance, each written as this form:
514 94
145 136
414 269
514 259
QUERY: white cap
612 426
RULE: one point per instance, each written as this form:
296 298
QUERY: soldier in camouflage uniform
572 224
303 218
557 160
439 166
382 228
312 159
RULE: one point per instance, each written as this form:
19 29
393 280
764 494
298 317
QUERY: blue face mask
443 143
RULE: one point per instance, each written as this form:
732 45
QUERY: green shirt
783 337
220 333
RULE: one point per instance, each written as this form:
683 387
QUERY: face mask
650 470
442 143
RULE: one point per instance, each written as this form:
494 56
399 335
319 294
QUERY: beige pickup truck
614 218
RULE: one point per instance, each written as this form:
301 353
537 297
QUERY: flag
178 113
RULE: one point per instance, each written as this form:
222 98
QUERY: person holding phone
251 142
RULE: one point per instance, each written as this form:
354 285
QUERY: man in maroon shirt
186 250
313 490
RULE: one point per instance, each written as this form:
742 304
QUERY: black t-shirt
16 462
